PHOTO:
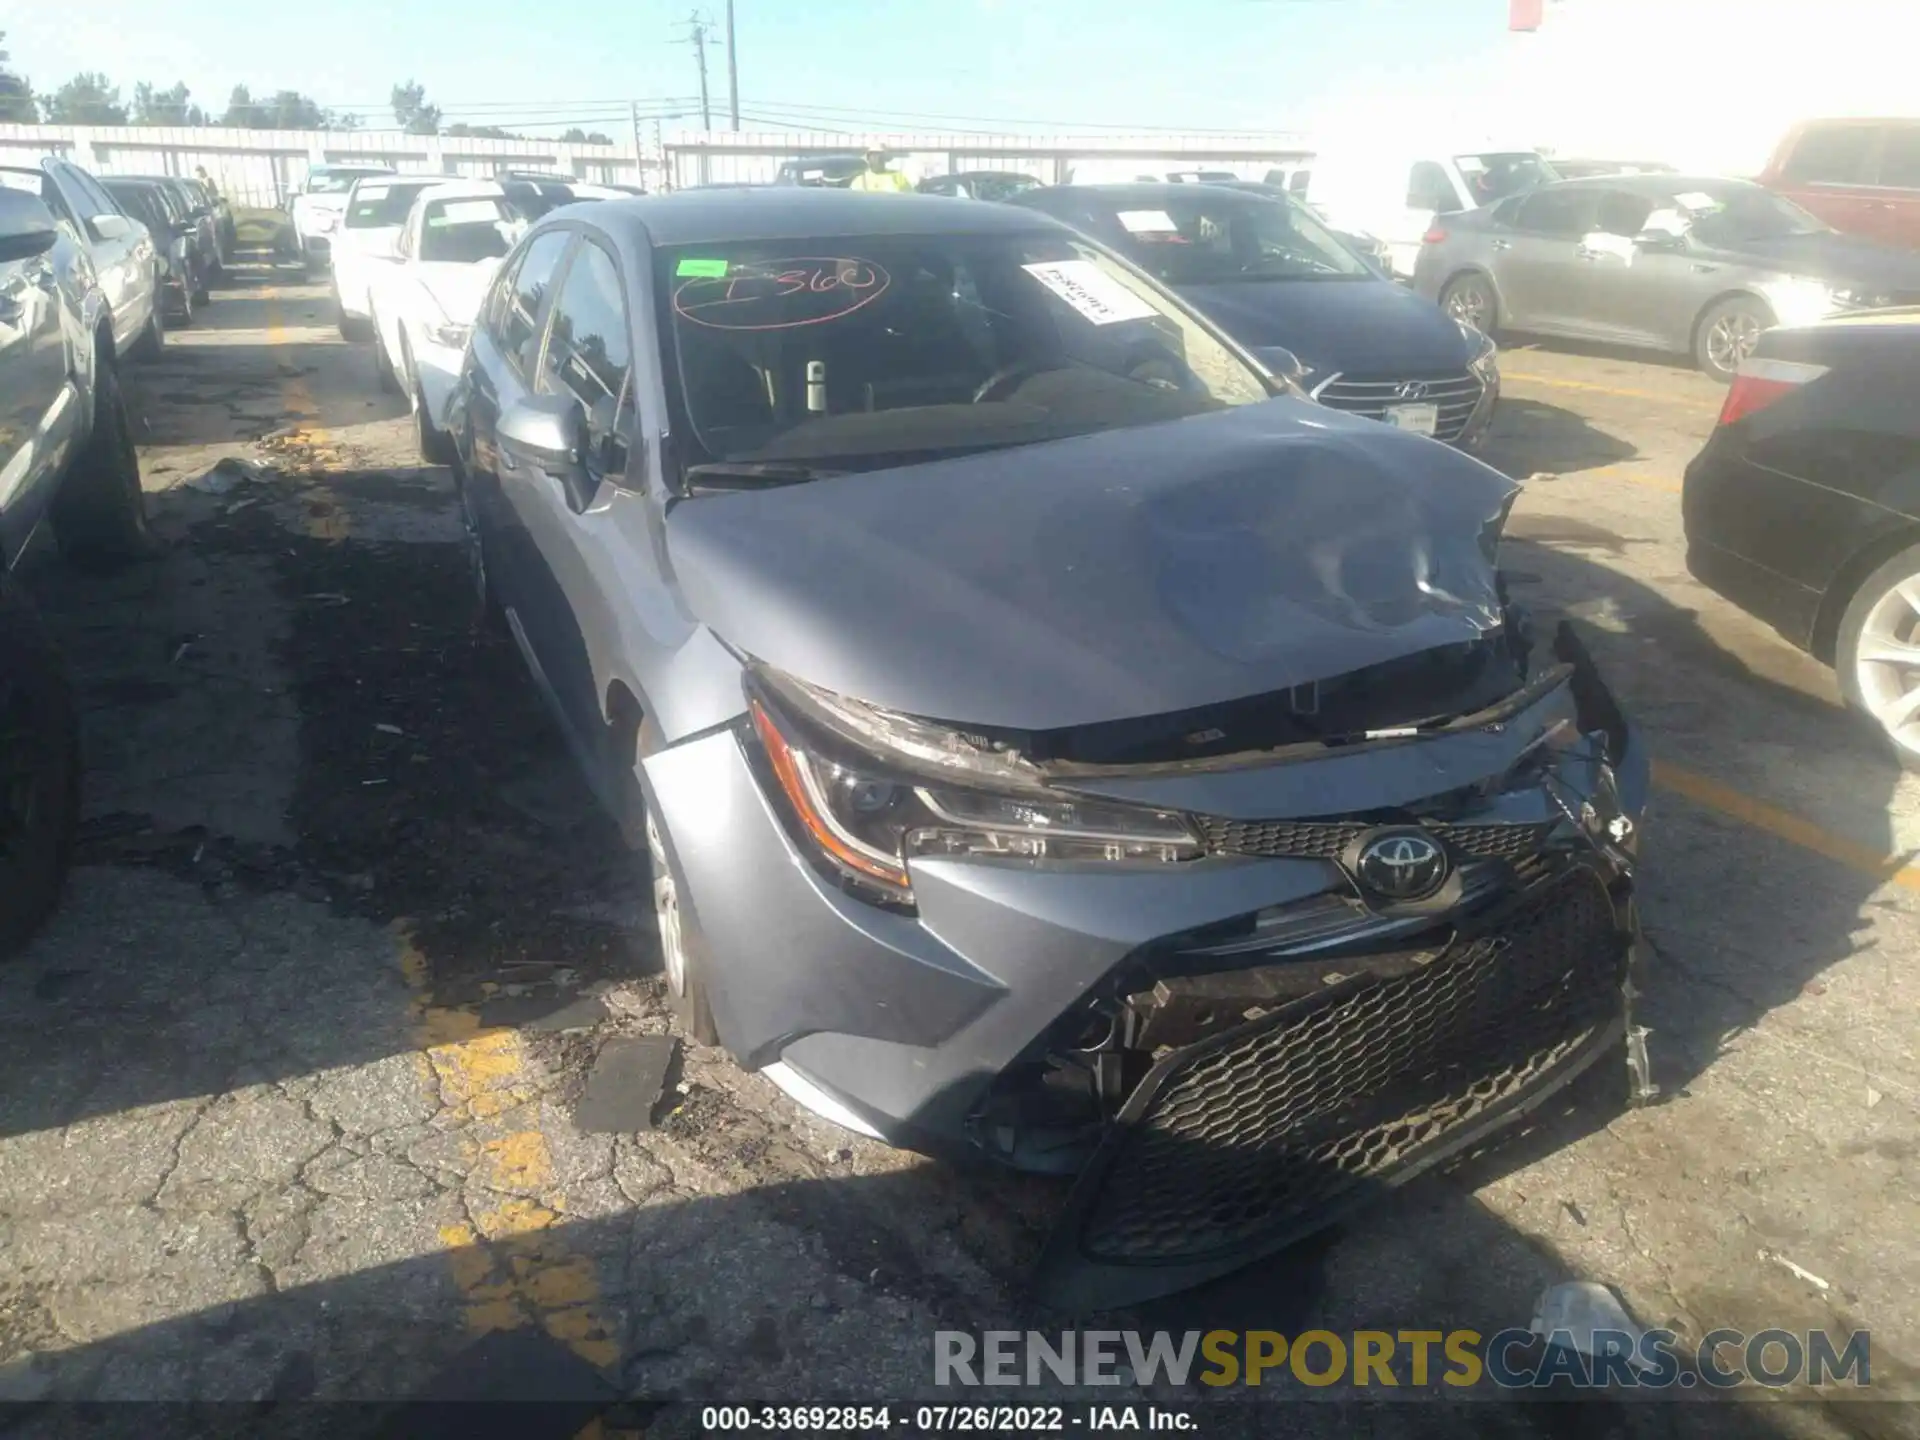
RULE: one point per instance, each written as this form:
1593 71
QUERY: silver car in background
1683 264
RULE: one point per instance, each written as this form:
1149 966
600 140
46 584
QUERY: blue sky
534 64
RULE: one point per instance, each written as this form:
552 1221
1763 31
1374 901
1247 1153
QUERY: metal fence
264 167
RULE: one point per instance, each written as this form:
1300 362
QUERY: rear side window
1567 214
92 199
590 356
378 205
1900 157
1428 188
520 324
1830 155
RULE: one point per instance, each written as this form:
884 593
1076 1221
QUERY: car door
1541 274
500 371
33 358
587 360
1896 204
1626 288
120 249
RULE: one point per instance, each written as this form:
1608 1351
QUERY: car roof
1159 192
799 212
461 190
1653 185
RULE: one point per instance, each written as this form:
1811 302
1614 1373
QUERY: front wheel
383 375
39 771
1877 653
99 512
1470 299
1727 334
679 943
436 445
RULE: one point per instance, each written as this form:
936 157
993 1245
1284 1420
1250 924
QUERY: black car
183 282
832 172
1804 507
980 184
192 201
1269 273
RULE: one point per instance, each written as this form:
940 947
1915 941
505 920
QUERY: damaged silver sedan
1055 740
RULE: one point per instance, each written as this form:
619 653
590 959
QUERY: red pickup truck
1860 176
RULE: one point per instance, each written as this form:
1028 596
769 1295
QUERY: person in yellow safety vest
877 177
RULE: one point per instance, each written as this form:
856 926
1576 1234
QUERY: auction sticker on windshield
776 294
1091 291
1148 222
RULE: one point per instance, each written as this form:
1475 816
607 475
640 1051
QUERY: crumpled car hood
1129 573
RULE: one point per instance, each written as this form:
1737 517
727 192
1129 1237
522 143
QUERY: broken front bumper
1342 1048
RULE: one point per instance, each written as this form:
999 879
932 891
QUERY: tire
436 445
184 320
685 981
1880 620
39 771
1470 295
99 512
152 341
383 375
1726 334
489 618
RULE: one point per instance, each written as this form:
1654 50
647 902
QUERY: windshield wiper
720 476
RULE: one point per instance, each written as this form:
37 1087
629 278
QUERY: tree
165 107
284 110
86 99
480 132
411 110
17 104
577 136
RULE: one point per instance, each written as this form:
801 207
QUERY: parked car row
76 299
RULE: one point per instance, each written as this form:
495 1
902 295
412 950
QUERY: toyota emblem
1402 865
1411 390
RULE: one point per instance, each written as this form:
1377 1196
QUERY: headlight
863 817
1860 297
453 336
1481 350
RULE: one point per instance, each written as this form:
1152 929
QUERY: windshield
464 232
999 187
533 199
336 182
374 205
1732 214
856 352
1213 236
1495 175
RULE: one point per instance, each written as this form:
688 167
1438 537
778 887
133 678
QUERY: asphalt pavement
288 1088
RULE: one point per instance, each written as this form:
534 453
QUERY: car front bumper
1249 1029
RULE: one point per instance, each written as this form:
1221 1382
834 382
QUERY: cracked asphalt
287 1087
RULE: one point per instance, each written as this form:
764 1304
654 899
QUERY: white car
376 210
322 201
422 302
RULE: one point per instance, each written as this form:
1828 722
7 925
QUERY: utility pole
699 38
733 72
639 166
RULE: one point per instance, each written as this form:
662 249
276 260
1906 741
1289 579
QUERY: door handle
1503 244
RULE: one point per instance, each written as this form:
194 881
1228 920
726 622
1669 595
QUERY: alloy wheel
1886 663
666 910
1731 338
1468 304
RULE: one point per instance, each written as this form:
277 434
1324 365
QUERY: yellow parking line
512 1262
1893 869
1534 378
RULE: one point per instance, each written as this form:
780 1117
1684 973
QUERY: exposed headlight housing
449 334
1483 354
1860 297
862 817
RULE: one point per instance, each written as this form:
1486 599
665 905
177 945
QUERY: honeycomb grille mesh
1257 1134
1325 839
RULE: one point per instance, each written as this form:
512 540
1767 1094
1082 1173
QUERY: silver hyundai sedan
1054 740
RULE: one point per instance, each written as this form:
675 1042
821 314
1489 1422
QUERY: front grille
1455 395
1250 1134
1326 839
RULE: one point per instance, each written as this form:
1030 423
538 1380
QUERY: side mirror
110 227
549 433
27 226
